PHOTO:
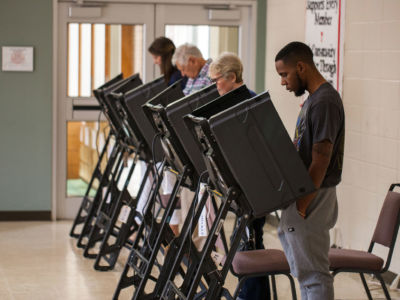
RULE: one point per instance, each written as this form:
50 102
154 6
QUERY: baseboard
388 277
25 215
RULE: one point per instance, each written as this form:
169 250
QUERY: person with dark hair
162 49
319 140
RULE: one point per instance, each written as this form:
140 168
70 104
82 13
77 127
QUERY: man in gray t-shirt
319 139
322 119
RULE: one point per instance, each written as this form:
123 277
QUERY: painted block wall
26 109
371 97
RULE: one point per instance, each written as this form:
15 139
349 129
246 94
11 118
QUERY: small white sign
203 227
124 214
108 200
17 59
203 223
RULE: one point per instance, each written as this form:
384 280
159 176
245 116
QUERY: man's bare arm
321 156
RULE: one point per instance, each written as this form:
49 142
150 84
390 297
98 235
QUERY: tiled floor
38 260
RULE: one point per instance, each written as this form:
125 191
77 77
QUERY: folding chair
257 263
365 262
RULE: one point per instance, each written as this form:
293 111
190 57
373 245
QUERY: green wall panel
26 109
261 44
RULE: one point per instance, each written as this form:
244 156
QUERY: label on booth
124 214
202 190
203 223
108 200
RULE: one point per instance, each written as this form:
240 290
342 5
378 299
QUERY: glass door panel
96 53
92 50
211 40
85 142
213 29
99 52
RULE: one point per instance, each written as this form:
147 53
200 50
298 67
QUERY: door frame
58 146
118 13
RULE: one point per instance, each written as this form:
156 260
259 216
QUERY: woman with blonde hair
226 71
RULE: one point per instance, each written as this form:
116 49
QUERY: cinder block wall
371 96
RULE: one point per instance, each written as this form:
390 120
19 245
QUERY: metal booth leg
87 202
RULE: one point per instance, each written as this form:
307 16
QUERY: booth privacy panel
134 100
199 127
175 112
261 155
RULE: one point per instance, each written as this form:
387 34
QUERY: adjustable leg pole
163 231
201 264
126 280
216 286
104 211
115 160
86 201
110 252
206 251
180 246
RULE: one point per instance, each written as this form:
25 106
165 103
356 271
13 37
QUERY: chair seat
354 259
260 261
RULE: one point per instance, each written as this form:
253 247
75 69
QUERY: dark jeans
256 288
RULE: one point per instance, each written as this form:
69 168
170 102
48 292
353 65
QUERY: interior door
213 29
95 43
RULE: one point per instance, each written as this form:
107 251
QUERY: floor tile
38 260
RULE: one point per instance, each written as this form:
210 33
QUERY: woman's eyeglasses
214 80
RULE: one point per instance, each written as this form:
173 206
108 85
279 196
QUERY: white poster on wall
17 59
324 34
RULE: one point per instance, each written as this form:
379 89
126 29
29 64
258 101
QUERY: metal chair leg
274 287
239 286
292 286
277 216
365 286
383 286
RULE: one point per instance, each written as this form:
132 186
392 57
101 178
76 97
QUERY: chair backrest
388 223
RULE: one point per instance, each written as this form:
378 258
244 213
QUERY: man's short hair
183 52
295 52
227 63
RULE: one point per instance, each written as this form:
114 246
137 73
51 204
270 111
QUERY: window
98 52
211 40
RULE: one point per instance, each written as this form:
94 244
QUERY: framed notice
17 59
324 35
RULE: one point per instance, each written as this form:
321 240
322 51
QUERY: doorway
97 42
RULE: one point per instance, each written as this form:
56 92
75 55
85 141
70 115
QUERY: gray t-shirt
322 118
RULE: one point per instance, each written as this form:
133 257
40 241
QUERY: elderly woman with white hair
227 71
